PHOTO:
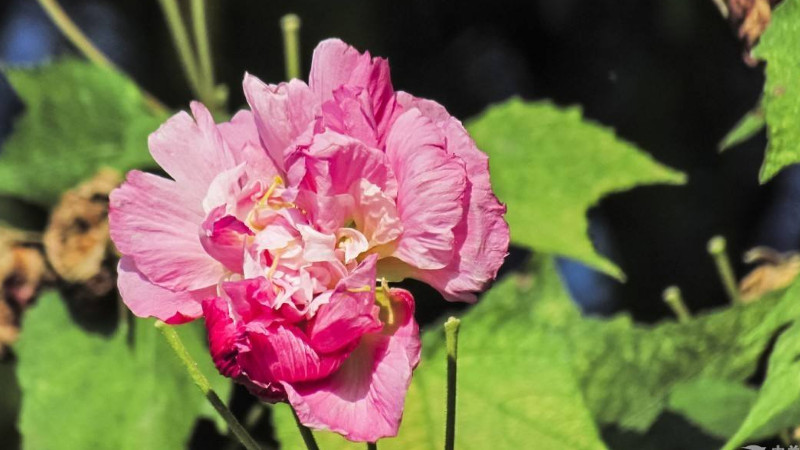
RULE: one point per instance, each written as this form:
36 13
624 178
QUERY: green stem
205 387
716 248
451 339
308 437
290 25
674 299
177 29
372 446
75 36
200 28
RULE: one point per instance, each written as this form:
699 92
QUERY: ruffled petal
154 222
363 400
226 338
282 353
146 299
431 189
336 64
224 237
242 137
283 113
192 151
350 312
482 238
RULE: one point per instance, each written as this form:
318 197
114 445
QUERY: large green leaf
78 117
716 406
516 386
628 371
778 46
83 390
550 165
778 405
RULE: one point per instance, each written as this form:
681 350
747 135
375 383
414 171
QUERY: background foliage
533 367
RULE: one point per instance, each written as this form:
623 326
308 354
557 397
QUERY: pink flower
277 225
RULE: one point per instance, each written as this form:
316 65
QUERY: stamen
365 288
275 259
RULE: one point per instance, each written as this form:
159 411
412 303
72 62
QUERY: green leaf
781 100
716 406
78 118
82 390
531 367
550 166
778 405
516 387
628 371
747 127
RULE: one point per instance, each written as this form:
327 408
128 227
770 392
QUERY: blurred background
667 75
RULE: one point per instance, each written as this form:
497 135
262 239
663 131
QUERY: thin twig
74 34
205 387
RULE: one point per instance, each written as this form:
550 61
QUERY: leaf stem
716 248
200 28
205 387
308 436
451 327
290 25
674 299
180 37
75 36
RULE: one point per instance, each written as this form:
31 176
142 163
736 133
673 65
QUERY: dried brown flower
76 239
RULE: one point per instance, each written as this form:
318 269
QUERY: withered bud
22 272
76 239
777 271
750 18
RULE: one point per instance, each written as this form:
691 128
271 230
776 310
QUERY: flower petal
192 152
336 64
350 313
225 337
283 113
154 222
224 237
282 353
482 239
363 400
431 188
146 299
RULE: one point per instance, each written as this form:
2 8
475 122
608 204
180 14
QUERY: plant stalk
77 38
451 339
180 36
716 248
205 387
308 436
290 25
200 28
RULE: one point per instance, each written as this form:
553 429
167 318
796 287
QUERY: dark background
668 75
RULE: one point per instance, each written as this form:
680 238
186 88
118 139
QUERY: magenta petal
283 113
364 399
350 313
282 353
192 153
225 338
154 222
431 185
146 299
223 237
